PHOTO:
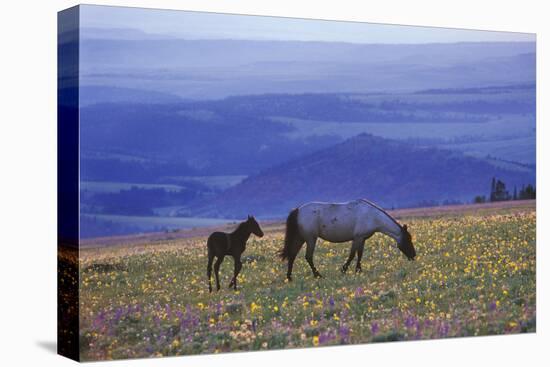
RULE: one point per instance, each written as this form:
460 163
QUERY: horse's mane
239 227
382 210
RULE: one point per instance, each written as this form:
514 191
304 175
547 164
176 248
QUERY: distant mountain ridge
481 90
207 69
391 173
182 52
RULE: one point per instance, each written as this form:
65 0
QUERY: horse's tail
291 233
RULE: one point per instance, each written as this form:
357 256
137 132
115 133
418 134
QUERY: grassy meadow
474 275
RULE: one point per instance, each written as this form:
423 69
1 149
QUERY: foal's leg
209 271
238 267
309 256
217 271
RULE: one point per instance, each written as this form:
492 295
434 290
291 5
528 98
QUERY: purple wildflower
156 319
374 328
344 332
118 315
99 320
410 321
444 330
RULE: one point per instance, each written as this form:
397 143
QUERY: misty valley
268 153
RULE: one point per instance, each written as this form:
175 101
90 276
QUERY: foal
220 244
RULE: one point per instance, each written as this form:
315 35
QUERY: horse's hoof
289 278
344 269
317 275
210 290
358 270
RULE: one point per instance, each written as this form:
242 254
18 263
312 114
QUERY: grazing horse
353 221
233 244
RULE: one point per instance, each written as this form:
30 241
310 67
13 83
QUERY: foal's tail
291 234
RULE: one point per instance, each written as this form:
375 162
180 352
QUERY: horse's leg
360 248
238 267
209 271
309 256
292 257
289 270
217 271
353 250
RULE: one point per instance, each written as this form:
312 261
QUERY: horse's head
254 227
405 244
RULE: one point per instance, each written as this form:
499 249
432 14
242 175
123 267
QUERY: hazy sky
196 25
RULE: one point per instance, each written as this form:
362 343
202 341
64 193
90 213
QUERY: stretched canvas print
236 183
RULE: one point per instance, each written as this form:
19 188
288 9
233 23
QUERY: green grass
474 275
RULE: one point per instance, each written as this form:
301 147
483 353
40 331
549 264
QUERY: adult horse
233 244
353 221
